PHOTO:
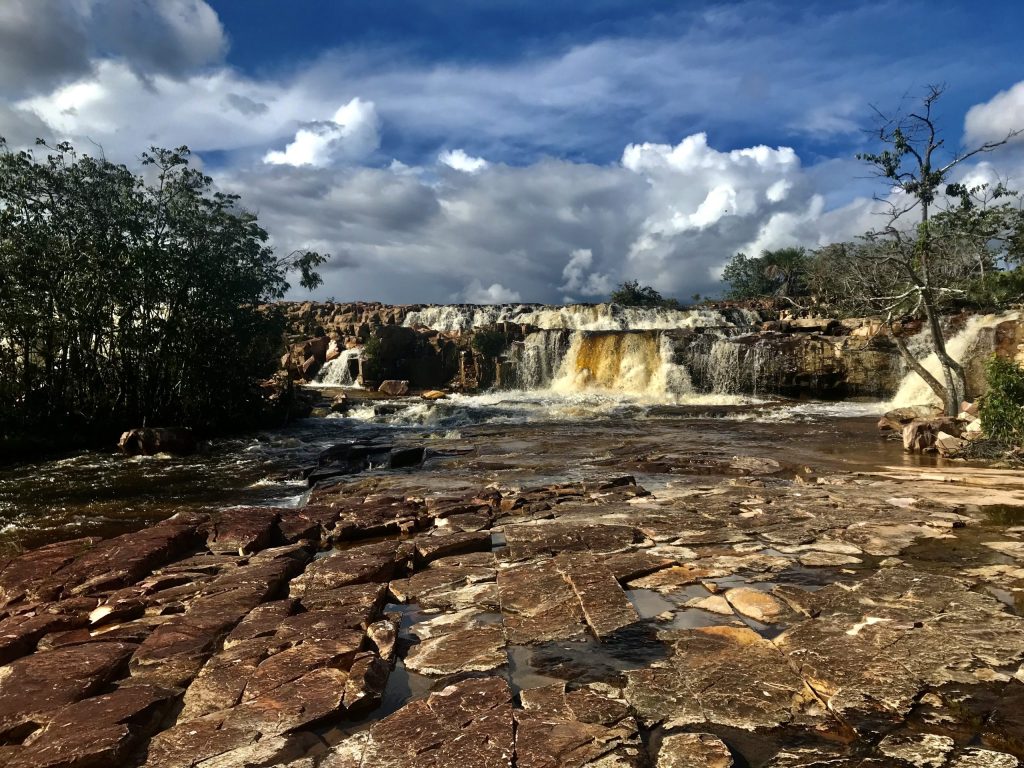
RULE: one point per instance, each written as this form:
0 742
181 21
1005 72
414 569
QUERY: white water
338 372
913 390
460 318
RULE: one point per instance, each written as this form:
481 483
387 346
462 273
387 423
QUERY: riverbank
583 581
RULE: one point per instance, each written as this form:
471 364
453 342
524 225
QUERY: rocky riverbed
623 585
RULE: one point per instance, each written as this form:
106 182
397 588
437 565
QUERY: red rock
97 732
243 530
358 565
34 687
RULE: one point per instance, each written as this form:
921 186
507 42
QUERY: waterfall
341 371
962 346
461 318
538 358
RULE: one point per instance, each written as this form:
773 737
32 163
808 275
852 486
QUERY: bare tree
910 265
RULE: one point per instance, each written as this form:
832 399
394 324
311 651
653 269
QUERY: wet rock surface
712 610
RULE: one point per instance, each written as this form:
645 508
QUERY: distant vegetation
130 298
632 294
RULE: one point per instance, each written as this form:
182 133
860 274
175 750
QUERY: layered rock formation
722 350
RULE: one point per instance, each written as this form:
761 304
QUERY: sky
539 150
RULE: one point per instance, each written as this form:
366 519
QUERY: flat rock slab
34 688
100 731
419 586
244 530
527 541
754 604
468 725
538 605
303 702
429 548
724 676
605 606
32 575
125 559
474 649
378 562
693 750
558 728
874 646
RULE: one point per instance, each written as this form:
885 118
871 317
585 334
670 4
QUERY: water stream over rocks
580 577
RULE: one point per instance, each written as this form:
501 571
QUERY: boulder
921 435
148 441
394 388
898 418
434 394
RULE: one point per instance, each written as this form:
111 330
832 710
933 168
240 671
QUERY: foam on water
460 318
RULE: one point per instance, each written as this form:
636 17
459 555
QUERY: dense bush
130 298
1002 406
779 273
632 294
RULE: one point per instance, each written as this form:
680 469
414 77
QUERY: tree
777 273
632 294
915 263
126 303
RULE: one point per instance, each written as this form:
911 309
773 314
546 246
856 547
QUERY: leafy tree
780 273
125 302
632 294
916 262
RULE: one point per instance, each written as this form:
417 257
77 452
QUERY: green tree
780 273
125 302
631 294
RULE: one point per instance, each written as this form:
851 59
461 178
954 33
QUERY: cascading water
341 371
962 346
460 318
538 359
614 361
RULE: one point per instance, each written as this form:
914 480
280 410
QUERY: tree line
131 298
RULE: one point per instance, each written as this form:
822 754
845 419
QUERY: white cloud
578 278
994 119
460 161
353 133
496 293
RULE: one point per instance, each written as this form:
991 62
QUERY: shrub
489 342
632 294
1002 407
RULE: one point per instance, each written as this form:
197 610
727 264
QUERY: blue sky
452 150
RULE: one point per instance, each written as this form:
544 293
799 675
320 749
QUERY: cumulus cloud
496 293
44 43
668 215
353 133
460 161
579 279
994 119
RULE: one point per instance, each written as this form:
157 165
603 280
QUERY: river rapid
508 437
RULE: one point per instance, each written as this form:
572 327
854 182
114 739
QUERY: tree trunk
952 371
915 365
